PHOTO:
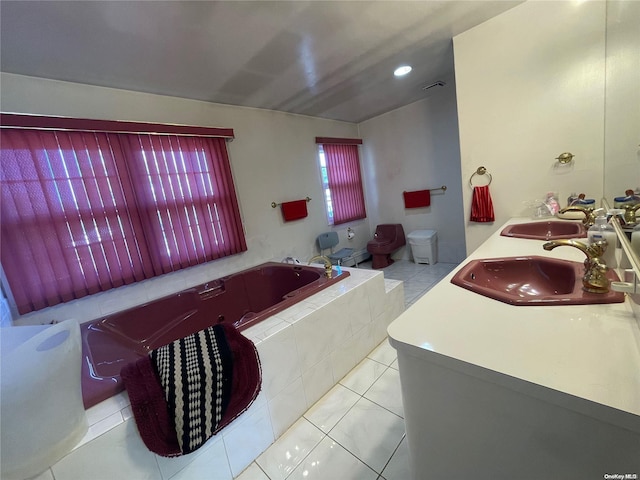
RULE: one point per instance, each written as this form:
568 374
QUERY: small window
341 182
325 184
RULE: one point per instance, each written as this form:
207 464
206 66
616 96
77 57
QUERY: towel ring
480 171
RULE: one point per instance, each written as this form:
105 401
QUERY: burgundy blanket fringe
150 408
482 205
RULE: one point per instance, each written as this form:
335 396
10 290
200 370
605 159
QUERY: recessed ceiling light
403 70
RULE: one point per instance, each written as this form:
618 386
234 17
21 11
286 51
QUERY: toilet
387 239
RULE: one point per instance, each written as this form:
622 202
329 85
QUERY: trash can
424 246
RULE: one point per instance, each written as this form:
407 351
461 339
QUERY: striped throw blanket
195 373
185 392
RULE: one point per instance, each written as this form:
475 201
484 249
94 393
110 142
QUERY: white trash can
424 246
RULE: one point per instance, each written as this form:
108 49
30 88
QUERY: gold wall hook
565 158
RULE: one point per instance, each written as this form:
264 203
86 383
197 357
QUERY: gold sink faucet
595 278
589 213
328 267
630 213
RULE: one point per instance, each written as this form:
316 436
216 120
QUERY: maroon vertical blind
345 182
84 211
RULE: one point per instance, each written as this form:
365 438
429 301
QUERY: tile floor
356 431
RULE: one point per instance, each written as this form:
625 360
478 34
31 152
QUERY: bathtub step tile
287 407
265 329
107 408
280 364
358 311
318 334
245 441
364 342
209 461
344 357
331 408
296 312
100 428
290 450
390 284
318 380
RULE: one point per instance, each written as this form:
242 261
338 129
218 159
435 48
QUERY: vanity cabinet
493 391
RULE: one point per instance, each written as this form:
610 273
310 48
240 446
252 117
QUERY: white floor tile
253 472
387 393
369 432
46 475
290 450
384 353
330 461
363 376
398 466
331 408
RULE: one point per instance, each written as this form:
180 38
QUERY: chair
329 240
387 239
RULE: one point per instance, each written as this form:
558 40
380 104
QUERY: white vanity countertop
590 352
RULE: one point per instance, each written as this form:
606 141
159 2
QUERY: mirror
622 101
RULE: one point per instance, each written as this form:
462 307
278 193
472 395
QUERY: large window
341 178
85 211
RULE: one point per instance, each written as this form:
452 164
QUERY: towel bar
274 204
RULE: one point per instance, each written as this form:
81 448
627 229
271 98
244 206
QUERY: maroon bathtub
243 299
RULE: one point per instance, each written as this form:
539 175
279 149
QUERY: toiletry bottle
601 230
552 203
630 198
581 200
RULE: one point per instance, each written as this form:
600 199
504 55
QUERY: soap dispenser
602 230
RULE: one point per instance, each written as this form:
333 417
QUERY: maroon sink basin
550 230
531 281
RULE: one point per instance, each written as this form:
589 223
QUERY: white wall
415 148
530 85
273 158
622 125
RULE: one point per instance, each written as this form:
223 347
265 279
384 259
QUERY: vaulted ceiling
330 59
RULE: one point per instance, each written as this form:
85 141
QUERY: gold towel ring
480 171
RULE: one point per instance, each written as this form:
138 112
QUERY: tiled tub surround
242 299
305 350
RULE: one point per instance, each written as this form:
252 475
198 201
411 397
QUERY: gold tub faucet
328 267
595 278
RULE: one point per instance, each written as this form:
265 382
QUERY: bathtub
243 299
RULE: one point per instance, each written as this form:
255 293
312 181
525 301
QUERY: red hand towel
420 198
294 210
482 205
